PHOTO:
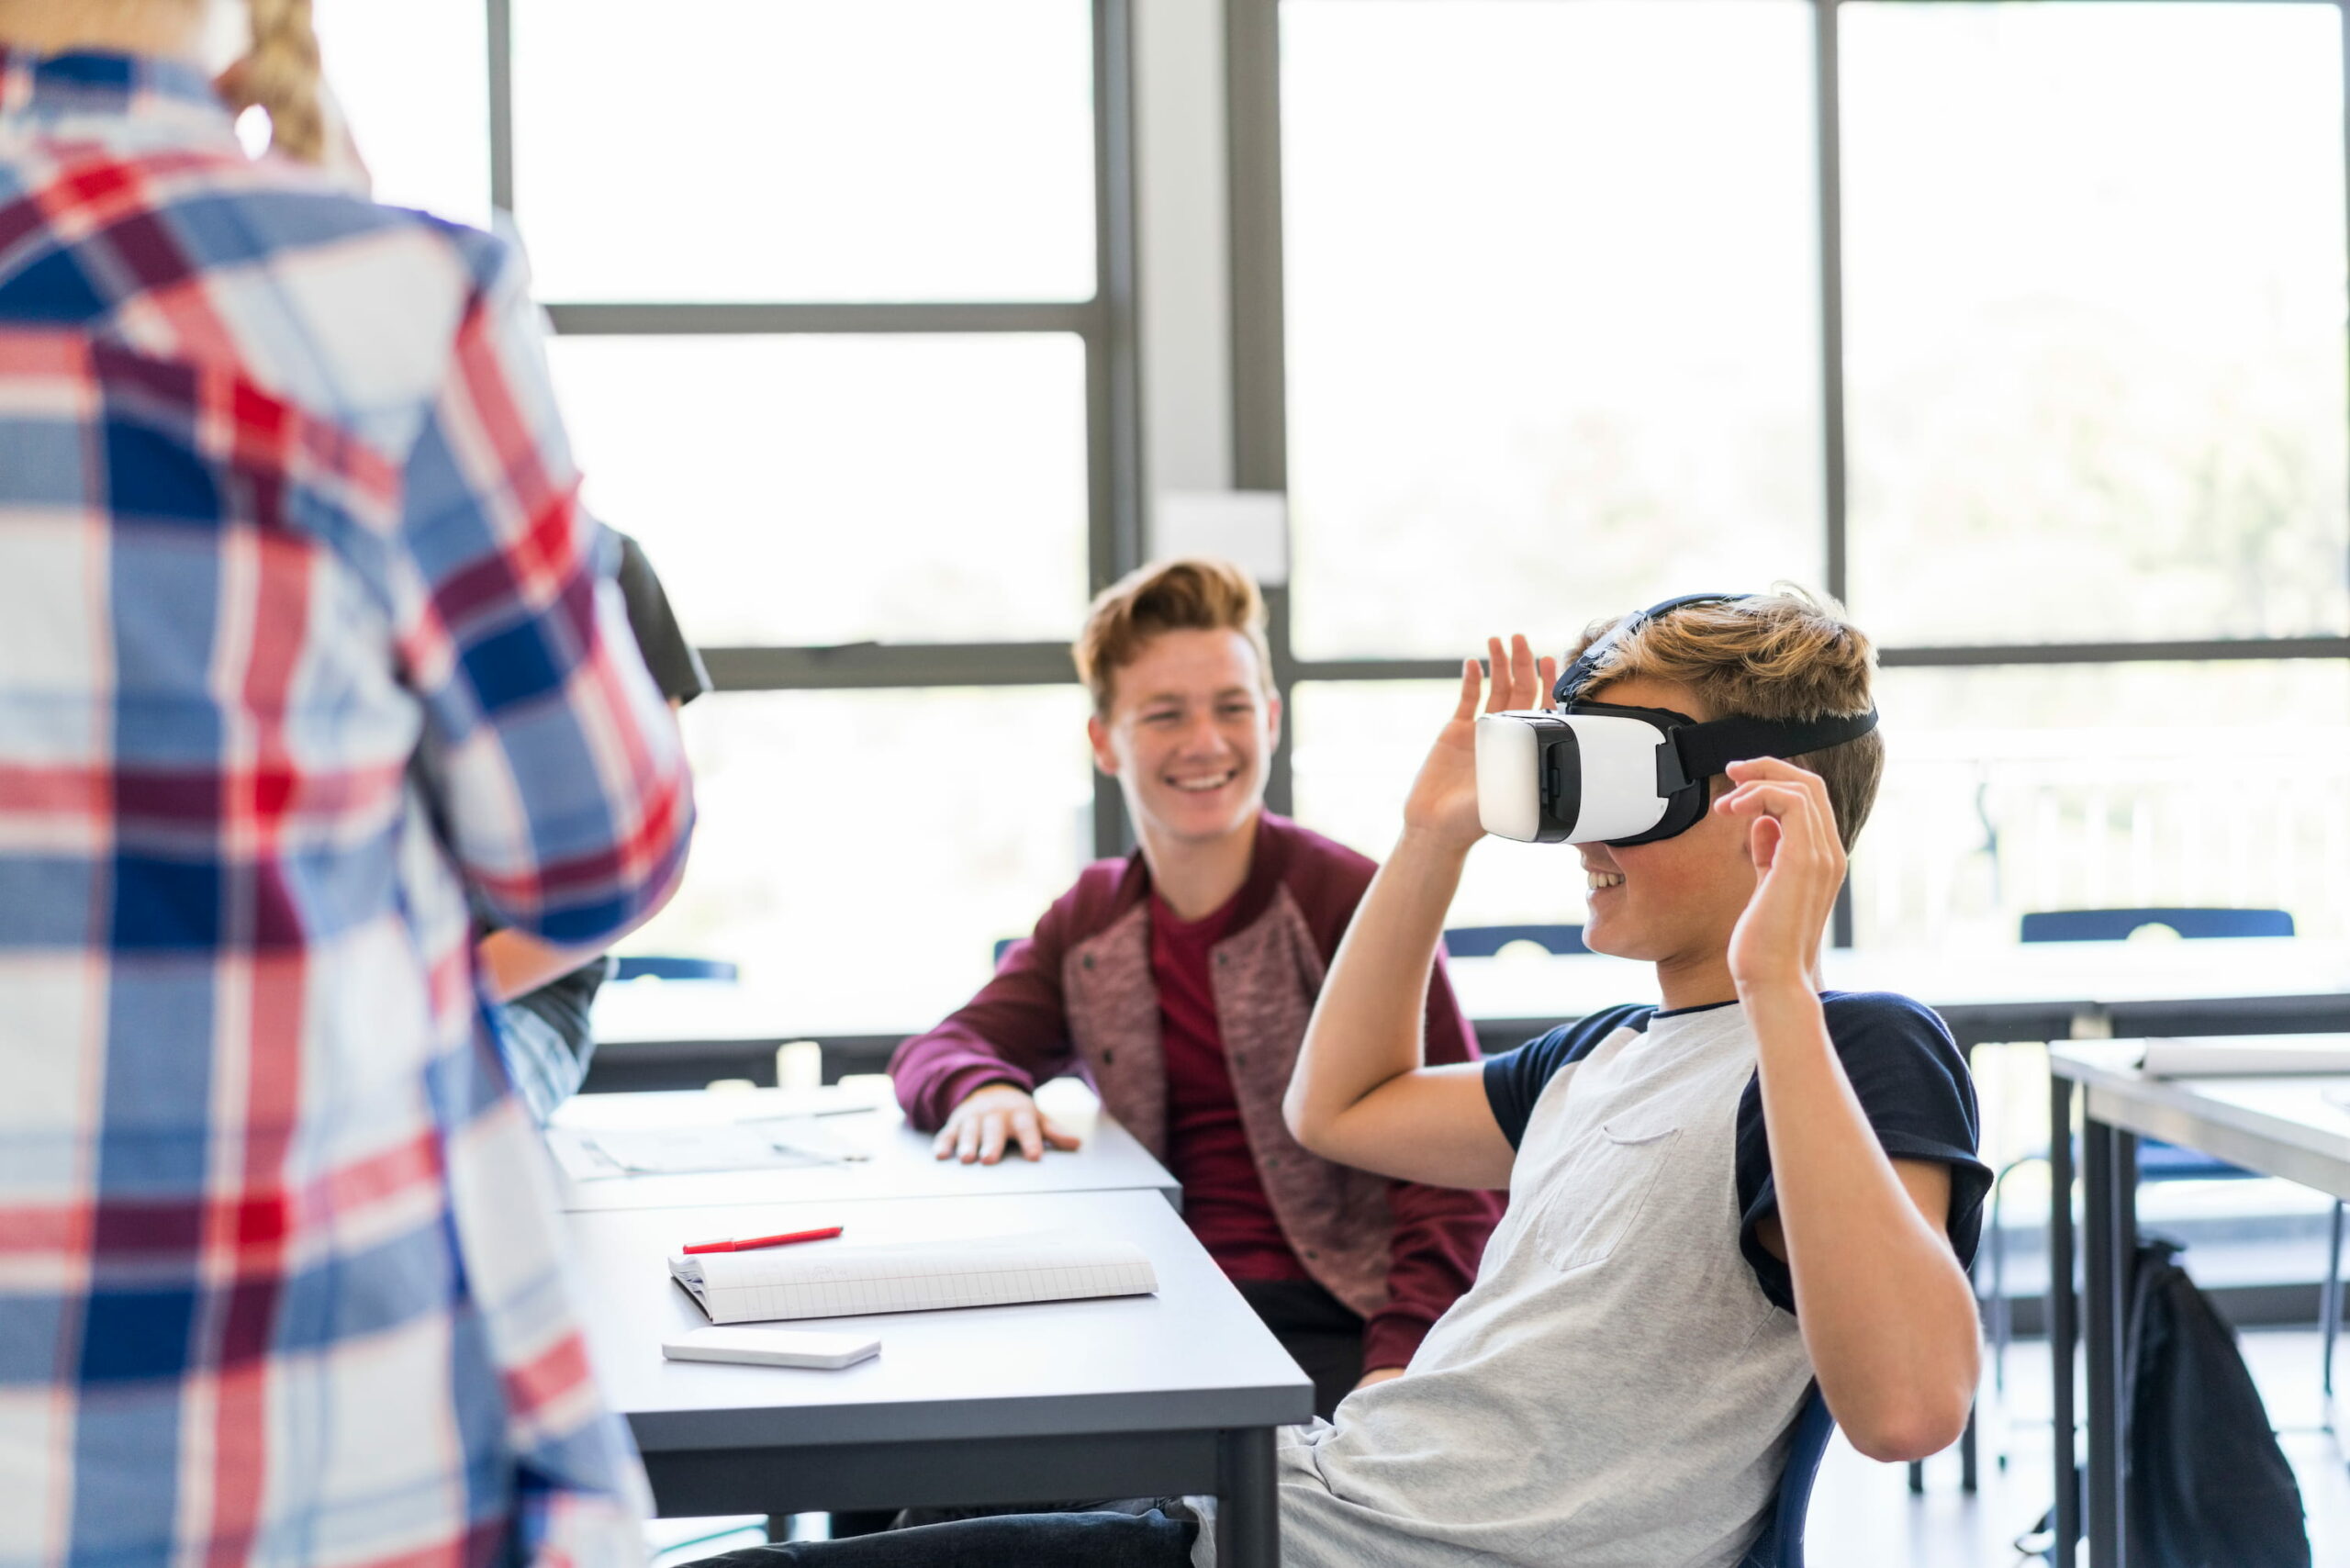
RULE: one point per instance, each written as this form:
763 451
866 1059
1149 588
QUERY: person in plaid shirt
302 634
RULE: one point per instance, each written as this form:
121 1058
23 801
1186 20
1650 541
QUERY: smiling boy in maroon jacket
1180 979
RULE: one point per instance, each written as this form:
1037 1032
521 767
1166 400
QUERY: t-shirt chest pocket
1595 1195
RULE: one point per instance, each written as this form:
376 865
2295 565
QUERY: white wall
1183 216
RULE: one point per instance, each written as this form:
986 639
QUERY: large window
2094 353
842 295
2019 327
1553 332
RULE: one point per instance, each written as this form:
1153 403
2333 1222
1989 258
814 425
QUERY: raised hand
1443 802
1798 866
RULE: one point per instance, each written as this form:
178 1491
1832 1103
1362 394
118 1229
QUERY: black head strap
1703 750
1579 674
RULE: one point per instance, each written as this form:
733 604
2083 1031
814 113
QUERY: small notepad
828 1280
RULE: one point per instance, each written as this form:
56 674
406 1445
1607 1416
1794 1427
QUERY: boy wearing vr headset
1712 1203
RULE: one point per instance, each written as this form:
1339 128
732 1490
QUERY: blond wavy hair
1199 593
1788 653
282 75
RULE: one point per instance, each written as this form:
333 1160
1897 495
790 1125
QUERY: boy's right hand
991 1116
1442 806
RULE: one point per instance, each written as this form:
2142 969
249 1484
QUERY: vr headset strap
1703 750
1577 675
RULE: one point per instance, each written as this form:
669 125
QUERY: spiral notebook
827 1280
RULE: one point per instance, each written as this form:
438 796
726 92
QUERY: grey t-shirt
1616 1389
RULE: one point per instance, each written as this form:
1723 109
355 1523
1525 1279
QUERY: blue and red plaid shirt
302 633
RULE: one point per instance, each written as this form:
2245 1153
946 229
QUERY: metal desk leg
2110 1162
2329 1306
1248 1514
2063 1334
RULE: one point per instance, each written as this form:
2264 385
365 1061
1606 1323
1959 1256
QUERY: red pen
753 1243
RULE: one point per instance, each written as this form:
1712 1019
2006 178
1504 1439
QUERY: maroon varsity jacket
1077 995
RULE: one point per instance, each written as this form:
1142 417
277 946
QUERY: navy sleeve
1914 1086
1514 1080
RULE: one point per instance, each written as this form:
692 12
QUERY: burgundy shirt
1019 1030
1207 1148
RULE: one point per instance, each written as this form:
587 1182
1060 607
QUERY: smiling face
1673 901
1188 735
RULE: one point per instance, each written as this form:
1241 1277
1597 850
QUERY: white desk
2036 990
900 1163
2029 984
1173 1393
2280 1127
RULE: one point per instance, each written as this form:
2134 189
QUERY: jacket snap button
1224 957
1087 961
1273 1162
1105 1057
1311 1253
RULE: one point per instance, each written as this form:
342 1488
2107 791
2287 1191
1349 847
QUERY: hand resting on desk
992 1115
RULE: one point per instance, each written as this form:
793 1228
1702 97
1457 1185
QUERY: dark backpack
2204 1483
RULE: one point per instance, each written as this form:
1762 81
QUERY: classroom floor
1864 1515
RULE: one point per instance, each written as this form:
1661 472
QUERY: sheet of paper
669 1151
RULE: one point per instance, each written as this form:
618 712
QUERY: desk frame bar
1235 1462
2063 1333
1248 1515
2109 1158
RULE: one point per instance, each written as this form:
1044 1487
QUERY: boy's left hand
1798 868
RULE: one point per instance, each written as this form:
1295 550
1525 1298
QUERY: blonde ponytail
282 76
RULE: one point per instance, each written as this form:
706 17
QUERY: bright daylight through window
1552 278
1554 350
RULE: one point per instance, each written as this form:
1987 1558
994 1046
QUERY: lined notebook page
826 1280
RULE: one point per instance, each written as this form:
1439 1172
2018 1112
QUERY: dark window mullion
1829 88
500 18
868 666
777 319
1113 375
1260 414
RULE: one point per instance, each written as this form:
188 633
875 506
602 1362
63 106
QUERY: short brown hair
1199 593
1784 655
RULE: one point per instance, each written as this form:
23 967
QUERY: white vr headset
1596 773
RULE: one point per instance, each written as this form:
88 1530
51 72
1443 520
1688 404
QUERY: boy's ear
1105 756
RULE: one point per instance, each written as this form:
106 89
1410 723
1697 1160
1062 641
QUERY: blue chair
2117 924
2157 1161
632 966
1484 941
1781 1544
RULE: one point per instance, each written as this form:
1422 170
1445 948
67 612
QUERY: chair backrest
2114 924
634 966
1781 1542
1484 941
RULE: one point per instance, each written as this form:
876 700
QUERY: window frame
1259 385
1105 324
